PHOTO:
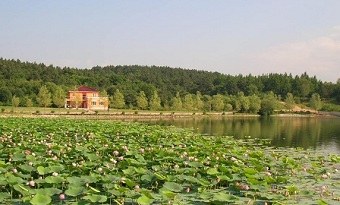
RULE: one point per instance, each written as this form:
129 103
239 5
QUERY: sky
226 36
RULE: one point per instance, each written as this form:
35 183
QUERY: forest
163 88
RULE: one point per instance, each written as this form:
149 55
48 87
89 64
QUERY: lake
320 134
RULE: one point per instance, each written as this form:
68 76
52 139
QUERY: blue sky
227 36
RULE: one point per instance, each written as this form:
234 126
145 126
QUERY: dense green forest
157 88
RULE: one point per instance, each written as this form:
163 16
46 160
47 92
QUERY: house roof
87 89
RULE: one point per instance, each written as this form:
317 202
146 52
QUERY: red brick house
87 98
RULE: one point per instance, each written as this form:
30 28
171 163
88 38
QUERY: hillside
25 78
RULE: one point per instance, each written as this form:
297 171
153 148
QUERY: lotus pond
59 161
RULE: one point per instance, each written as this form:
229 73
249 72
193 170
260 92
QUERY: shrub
52 111
3 109
136 112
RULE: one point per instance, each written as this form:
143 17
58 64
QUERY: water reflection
306 132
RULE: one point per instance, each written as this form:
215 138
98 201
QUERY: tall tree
118 100
28 102
268 104
177 102
15 101
315 101
142 101
199 104
59 97
188 102
254 104
290 102
155 101
44 97
218 102
244 101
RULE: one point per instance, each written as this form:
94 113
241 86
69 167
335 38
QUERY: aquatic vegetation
45 161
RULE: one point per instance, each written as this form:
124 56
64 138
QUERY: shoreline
155 115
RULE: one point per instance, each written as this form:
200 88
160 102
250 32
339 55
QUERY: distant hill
25 78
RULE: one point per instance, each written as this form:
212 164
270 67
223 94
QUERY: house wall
87 100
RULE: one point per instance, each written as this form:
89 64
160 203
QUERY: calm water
316 133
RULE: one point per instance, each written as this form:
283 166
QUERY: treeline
169 87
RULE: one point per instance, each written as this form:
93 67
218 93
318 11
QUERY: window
102 103
94 94
93 103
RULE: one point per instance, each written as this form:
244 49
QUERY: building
87 98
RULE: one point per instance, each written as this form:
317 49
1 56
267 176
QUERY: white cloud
319 56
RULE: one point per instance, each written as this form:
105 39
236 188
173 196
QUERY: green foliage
59 97
177 102
188 102
268 104
44 97
25 79
254 104
217 102
315 101
118 163
117 100
15 101
155 102
142 101
290 102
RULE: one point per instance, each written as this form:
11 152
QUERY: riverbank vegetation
163 88
60 161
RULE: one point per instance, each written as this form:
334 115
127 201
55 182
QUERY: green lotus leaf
167 193
3 181
75 181
96 198
2 164
40 199
89 179
224 197
43 170
56 168
18 157
26 168
212 171
14 180
92 157
130 183
135 162
74 191
54 179
191 179
172 186
140 170
250 171
49 191
205 195
195 164
30 158
4 195
204 182
149 177
143 200
129 171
